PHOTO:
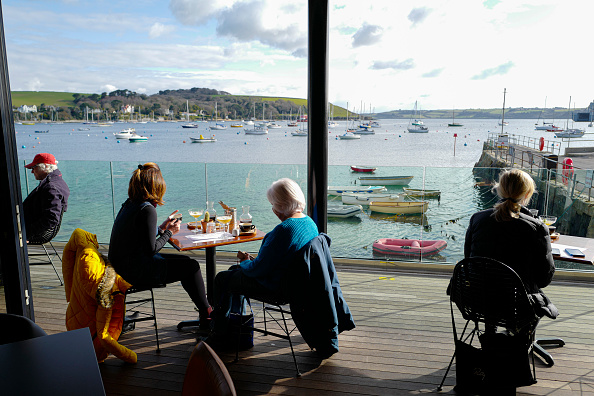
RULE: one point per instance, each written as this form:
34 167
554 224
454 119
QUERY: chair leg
440 387
155 320
542 353
133 305
290 342
52 262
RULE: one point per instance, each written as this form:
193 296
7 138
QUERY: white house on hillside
27 109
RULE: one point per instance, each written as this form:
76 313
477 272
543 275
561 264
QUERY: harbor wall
575 211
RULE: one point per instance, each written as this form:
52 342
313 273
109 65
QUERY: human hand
243 256
171 223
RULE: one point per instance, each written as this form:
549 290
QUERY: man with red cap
43 206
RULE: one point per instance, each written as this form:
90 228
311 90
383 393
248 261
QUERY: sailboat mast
503 111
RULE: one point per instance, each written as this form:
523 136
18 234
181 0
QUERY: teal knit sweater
278 248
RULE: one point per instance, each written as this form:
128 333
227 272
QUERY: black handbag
241 323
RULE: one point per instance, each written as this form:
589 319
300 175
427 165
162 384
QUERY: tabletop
586 245
57 364
181 242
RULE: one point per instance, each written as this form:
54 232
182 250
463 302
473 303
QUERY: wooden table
181 242
586 245
57 364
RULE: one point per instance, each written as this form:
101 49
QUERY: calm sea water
238 169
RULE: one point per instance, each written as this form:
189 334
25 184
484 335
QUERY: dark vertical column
13 250
317 99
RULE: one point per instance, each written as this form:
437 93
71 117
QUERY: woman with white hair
263 275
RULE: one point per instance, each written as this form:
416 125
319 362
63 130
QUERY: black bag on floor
507 359
470 369
497 368
241 315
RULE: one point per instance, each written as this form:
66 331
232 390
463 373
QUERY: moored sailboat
416 126
454 123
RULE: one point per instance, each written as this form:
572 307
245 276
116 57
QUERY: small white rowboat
417 192
385 180
364 199
338 190
407 207
343 211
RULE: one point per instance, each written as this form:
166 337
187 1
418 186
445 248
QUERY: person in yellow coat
95 295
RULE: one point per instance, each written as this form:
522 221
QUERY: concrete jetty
562 191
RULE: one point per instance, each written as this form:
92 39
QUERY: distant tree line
170 104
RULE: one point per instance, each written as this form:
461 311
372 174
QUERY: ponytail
515 188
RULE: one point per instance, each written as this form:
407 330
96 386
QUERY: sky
383 54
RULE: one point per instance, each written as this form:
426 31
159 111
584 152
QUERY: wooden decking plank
402 343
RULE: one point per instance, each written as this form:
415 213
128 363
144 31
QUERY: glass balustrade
97 190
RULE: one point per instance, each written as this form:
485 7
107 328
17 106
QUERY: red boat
363 169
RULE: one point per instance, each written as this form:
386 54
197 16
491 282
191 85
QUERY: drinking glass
548 220
196 213
225 220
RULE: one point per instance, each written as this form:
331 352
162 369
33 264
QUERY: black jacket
43 206
135 243
523 244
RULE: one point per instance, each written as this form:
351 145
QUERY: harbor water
238 169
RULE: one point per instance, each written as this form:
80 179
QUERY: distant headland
199 103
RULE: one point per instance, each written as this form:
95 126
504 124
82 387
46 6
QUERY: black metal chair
134 315
46 239
490 294
270 305
15 328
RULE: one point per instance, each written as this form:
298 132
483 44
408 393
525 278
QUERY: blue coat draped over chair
317 304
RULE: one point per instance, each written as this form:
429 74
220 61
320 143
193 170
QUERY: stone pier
567 194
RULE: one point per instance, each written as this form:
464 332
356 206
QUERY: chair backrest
15 328
50 234
487 291
206 374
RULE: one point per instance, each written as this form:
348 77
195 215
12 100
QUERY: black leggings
182 268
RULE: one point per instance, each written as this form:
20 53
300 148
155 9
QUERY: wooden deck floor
401 345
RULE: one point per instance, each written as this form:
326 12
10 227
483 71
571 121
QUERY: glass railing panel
240 185
90 202
353 237
185 183
97 190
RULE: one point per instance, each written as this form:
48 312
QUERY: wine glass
196 213
548 220
225 219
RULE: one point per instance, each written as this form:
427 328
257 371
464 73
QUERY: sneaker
206 320
128 327
129 323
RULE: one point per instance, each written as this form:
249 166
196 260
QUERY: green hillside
30 98
171 104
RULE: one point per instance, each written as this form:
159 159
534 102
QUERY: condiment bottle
233 224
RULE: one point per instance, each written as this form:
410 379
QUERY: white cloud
444 51
393 64
494 71
108 88
418 15
34 84
367 35
158 30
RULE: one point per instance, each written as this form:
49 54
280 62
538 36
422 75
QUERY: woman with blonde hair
510 234
136 241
